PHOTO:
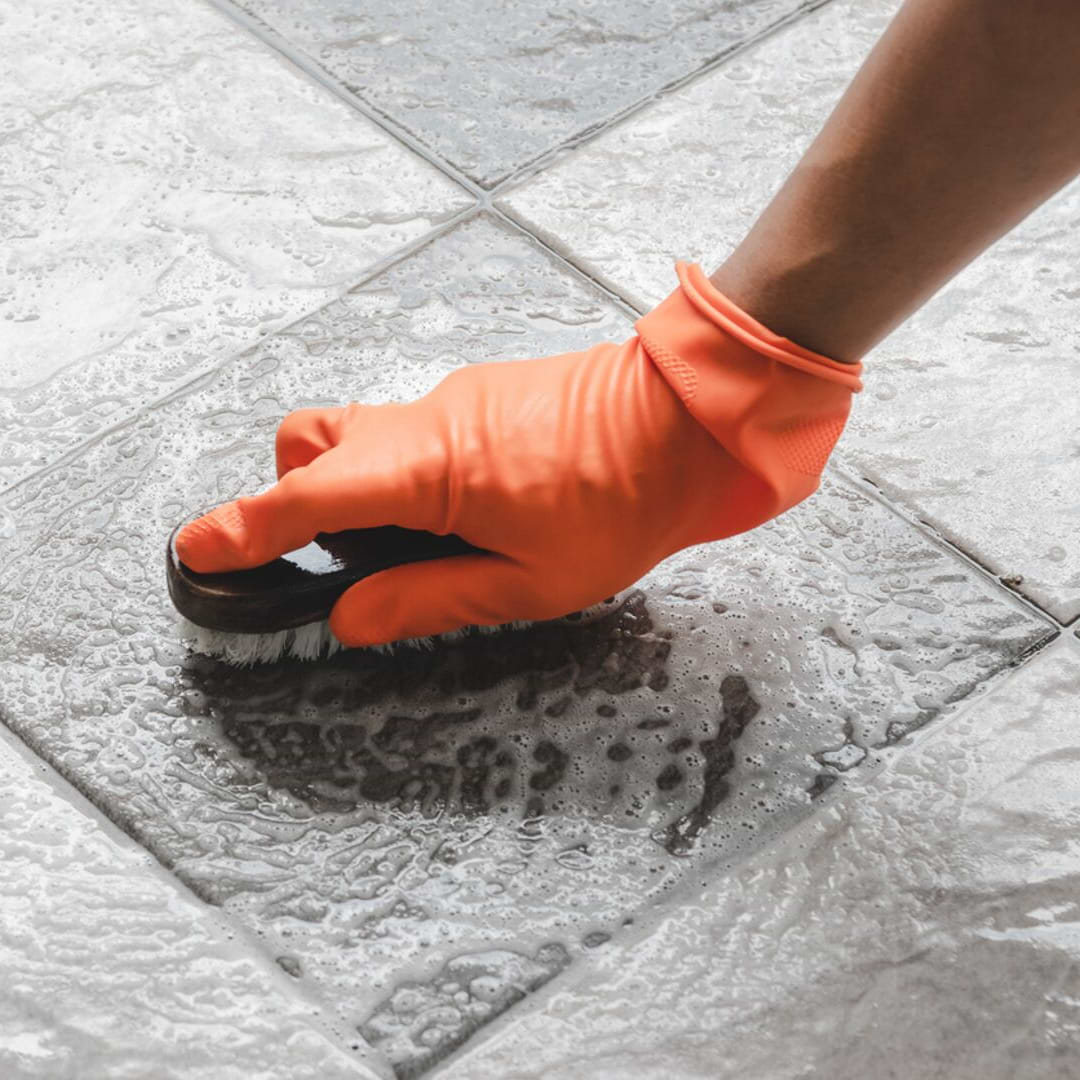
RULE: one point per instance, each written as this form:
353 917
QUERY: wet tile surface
968 417
172 191
112 969
428 838
703 161
491 86
924 922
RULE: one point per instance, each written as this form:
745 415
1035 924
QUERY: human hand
575 473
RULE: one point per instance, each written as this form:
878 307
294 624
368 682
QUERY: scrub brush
281 609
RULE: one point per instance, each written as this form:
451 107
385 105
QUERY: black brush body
302 586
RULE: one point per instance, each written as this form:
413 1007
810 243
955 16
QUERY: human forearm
963 119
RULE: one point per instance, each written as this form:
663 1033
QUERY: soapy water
501 804
532 789
325 754
554 763
422 1022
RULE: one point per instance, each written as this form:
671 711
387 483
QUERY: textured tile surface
431 837
969 416
171 190
687 177
113 970
490 86
924 923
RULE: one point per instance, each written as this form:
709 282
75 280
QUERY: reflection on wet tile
491 86
495 802
925 923
173 190
111 969
958 422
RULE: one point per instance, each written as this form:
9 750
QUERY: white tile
969 415
172 190
491 86
925 923
112 969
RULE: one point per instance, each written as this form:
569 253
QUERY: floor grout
84 803
371 271
867 487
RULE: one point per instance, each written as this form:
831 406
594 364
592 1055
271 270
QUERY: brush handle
302 586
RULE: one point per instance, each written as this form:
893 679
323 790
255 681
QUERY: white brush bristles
314 641
311 642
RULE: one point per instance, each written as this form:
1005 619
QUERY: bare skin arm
963 119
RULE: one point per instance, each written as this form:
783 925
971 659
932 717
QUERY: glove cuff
676 325
776 407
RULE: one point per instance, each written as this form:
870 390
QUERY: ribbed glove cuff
775 406
680 315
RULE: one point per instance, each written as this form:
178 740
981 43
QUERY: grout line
549 157
561 252
315 71
571 267
259 951
871 490
203 373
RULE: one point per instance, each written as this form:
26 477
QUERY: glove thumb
422 599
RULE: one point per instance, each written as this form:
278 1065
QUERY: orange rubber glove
577 472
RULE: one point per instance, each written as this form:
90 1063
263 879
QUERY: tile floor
520 83
112 968
173 190
799 803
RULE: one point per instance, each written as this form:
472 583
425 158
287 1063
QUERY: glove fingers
305 434
331 494
427 598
